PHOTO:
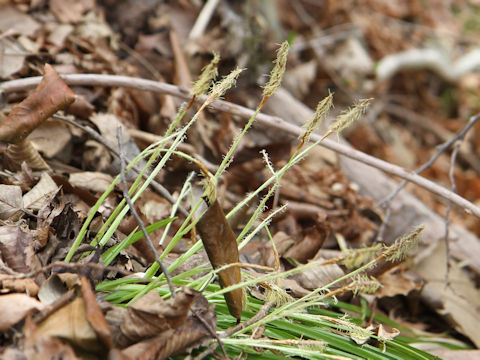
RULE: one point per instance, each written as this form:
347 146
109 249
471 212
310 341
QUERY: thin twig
135 214
453 188
262 119
440 150
212 332
159 188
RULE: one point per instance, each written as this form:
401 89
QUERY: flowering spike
346 118
222 86
209 73
278 70
322 109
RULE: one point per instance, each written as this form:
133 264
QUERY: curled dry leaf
51 95
24 152
221 247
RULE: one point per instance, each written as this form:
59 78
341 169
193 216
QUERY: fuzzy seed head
346 118
222 86
209 74
357 257
401 248
278 70
323 107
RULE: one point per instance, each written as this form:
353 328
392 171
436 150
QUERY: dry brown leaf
28 286
319 276
94 314
94 181
149 316
16 247
51 290
24 152
70 323
221 247
397 283
35 198
11 19
19 306
51 95
311 243
11 201
447 354
13 59
41 347
180 340
51 137
70 11
459 302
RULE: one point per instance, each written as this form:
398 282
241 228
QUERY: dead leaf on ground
51 95
11 201
459 302
182 339
39 346
40 193
70 323
19 306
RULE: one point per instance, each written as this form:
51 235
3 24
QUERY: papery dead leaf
51 95
16 248
24 152
19 306
11 200
14 20
51 290
70 323
39 346
28 285
182 339
149 316
394 283
51 138
221 247
94 314
35 198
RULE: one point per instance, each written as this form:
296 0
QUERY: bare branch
262 119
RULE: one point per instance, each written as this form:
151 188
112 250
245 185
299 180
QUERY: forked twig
440 150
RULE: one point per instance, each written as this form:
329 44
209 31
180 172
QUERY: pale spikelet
209 74
347 117
400 249
278 70
357 333
365 285
355 258
277 295
323 107
223 85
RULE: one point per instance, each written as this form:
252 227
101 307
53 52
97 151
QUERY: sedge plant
301 327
